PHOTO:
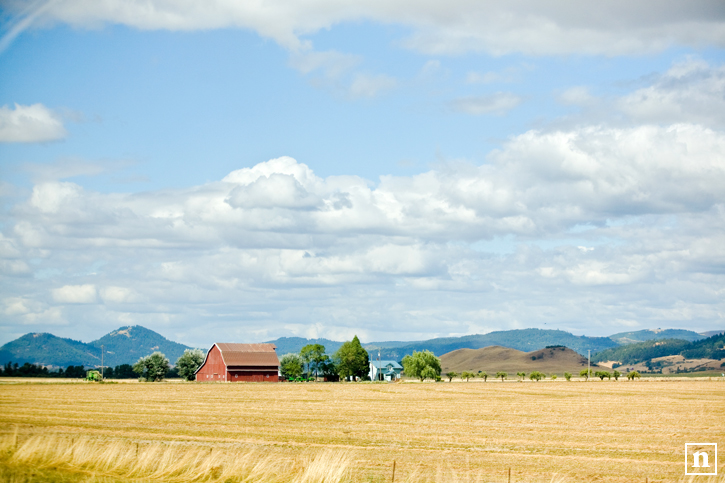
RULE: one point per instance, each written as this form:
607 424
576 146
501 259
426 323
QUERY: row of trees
155 367
350 360
538 376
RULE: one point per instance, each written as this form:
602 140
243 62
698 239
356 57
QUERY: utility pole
379 375
101 361
589 363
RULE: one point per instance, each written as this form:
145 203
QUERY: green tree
632 375
521 375
616 374
502 375
189 362
536 376
567 376
553 377
451 375
467 375
291 366
484 375
586 373
152 368
429 373
313 355
602 374
352 360
415 364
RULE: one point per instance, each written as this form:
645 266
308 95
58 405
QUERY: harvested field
593 431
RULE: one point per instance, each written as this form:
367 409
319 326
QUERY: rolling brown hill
496 358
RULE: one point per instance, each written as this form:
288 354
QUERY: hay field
581 431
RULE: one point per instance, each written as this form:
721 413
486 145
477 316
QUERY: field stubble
600 430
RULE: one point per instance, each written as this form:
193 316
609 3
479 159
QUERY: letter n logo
701 458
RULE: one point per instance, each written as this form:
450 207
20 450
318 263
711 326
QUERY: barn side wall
214 369
262 375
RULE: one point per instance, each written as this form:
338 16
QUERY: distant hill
47 349
123 346
522 340
708 348
496 358
127 344
710 333
649 334
285 345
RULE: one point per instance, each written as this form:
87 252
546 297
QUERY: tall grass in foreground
63 459
171 463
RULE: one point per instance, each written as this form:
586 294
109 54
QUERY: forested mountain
649 334
122 346
127 344
47 349
708 348
642 351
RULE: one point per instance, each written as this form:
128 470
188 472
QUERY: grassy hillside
127 344
496 358
47 349
649 334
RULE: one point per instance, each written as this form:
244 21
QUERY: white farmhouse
384 370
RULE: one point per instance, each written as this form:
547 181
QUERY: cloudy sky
240 171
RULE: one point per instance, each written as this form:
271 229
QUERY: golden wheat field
550 431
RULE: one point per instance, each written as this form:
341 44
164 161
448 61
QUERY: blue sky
397 171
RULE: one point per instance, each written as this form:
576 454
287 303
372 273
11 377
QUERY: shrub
567 376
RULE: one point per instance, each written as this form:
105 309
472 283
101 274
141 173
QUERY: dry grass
171 463
549 431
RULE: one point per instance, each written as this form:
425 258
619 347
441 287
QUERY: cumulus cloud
30 124
345 253
690 91
75 294
527 26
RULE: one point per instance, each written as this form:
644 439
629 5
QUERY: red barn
240 363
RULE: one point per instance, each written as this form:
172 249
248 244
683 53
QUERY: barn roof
249 355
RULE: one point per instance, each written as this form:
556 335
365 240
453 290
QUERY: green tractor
94 376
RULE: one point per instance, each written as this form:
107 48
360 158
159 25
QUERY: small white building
385 370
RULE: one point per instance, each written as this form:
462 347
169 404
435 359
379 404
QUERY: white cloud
30 124
119 295
333 64
75 294
527 26
690 91
497 104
